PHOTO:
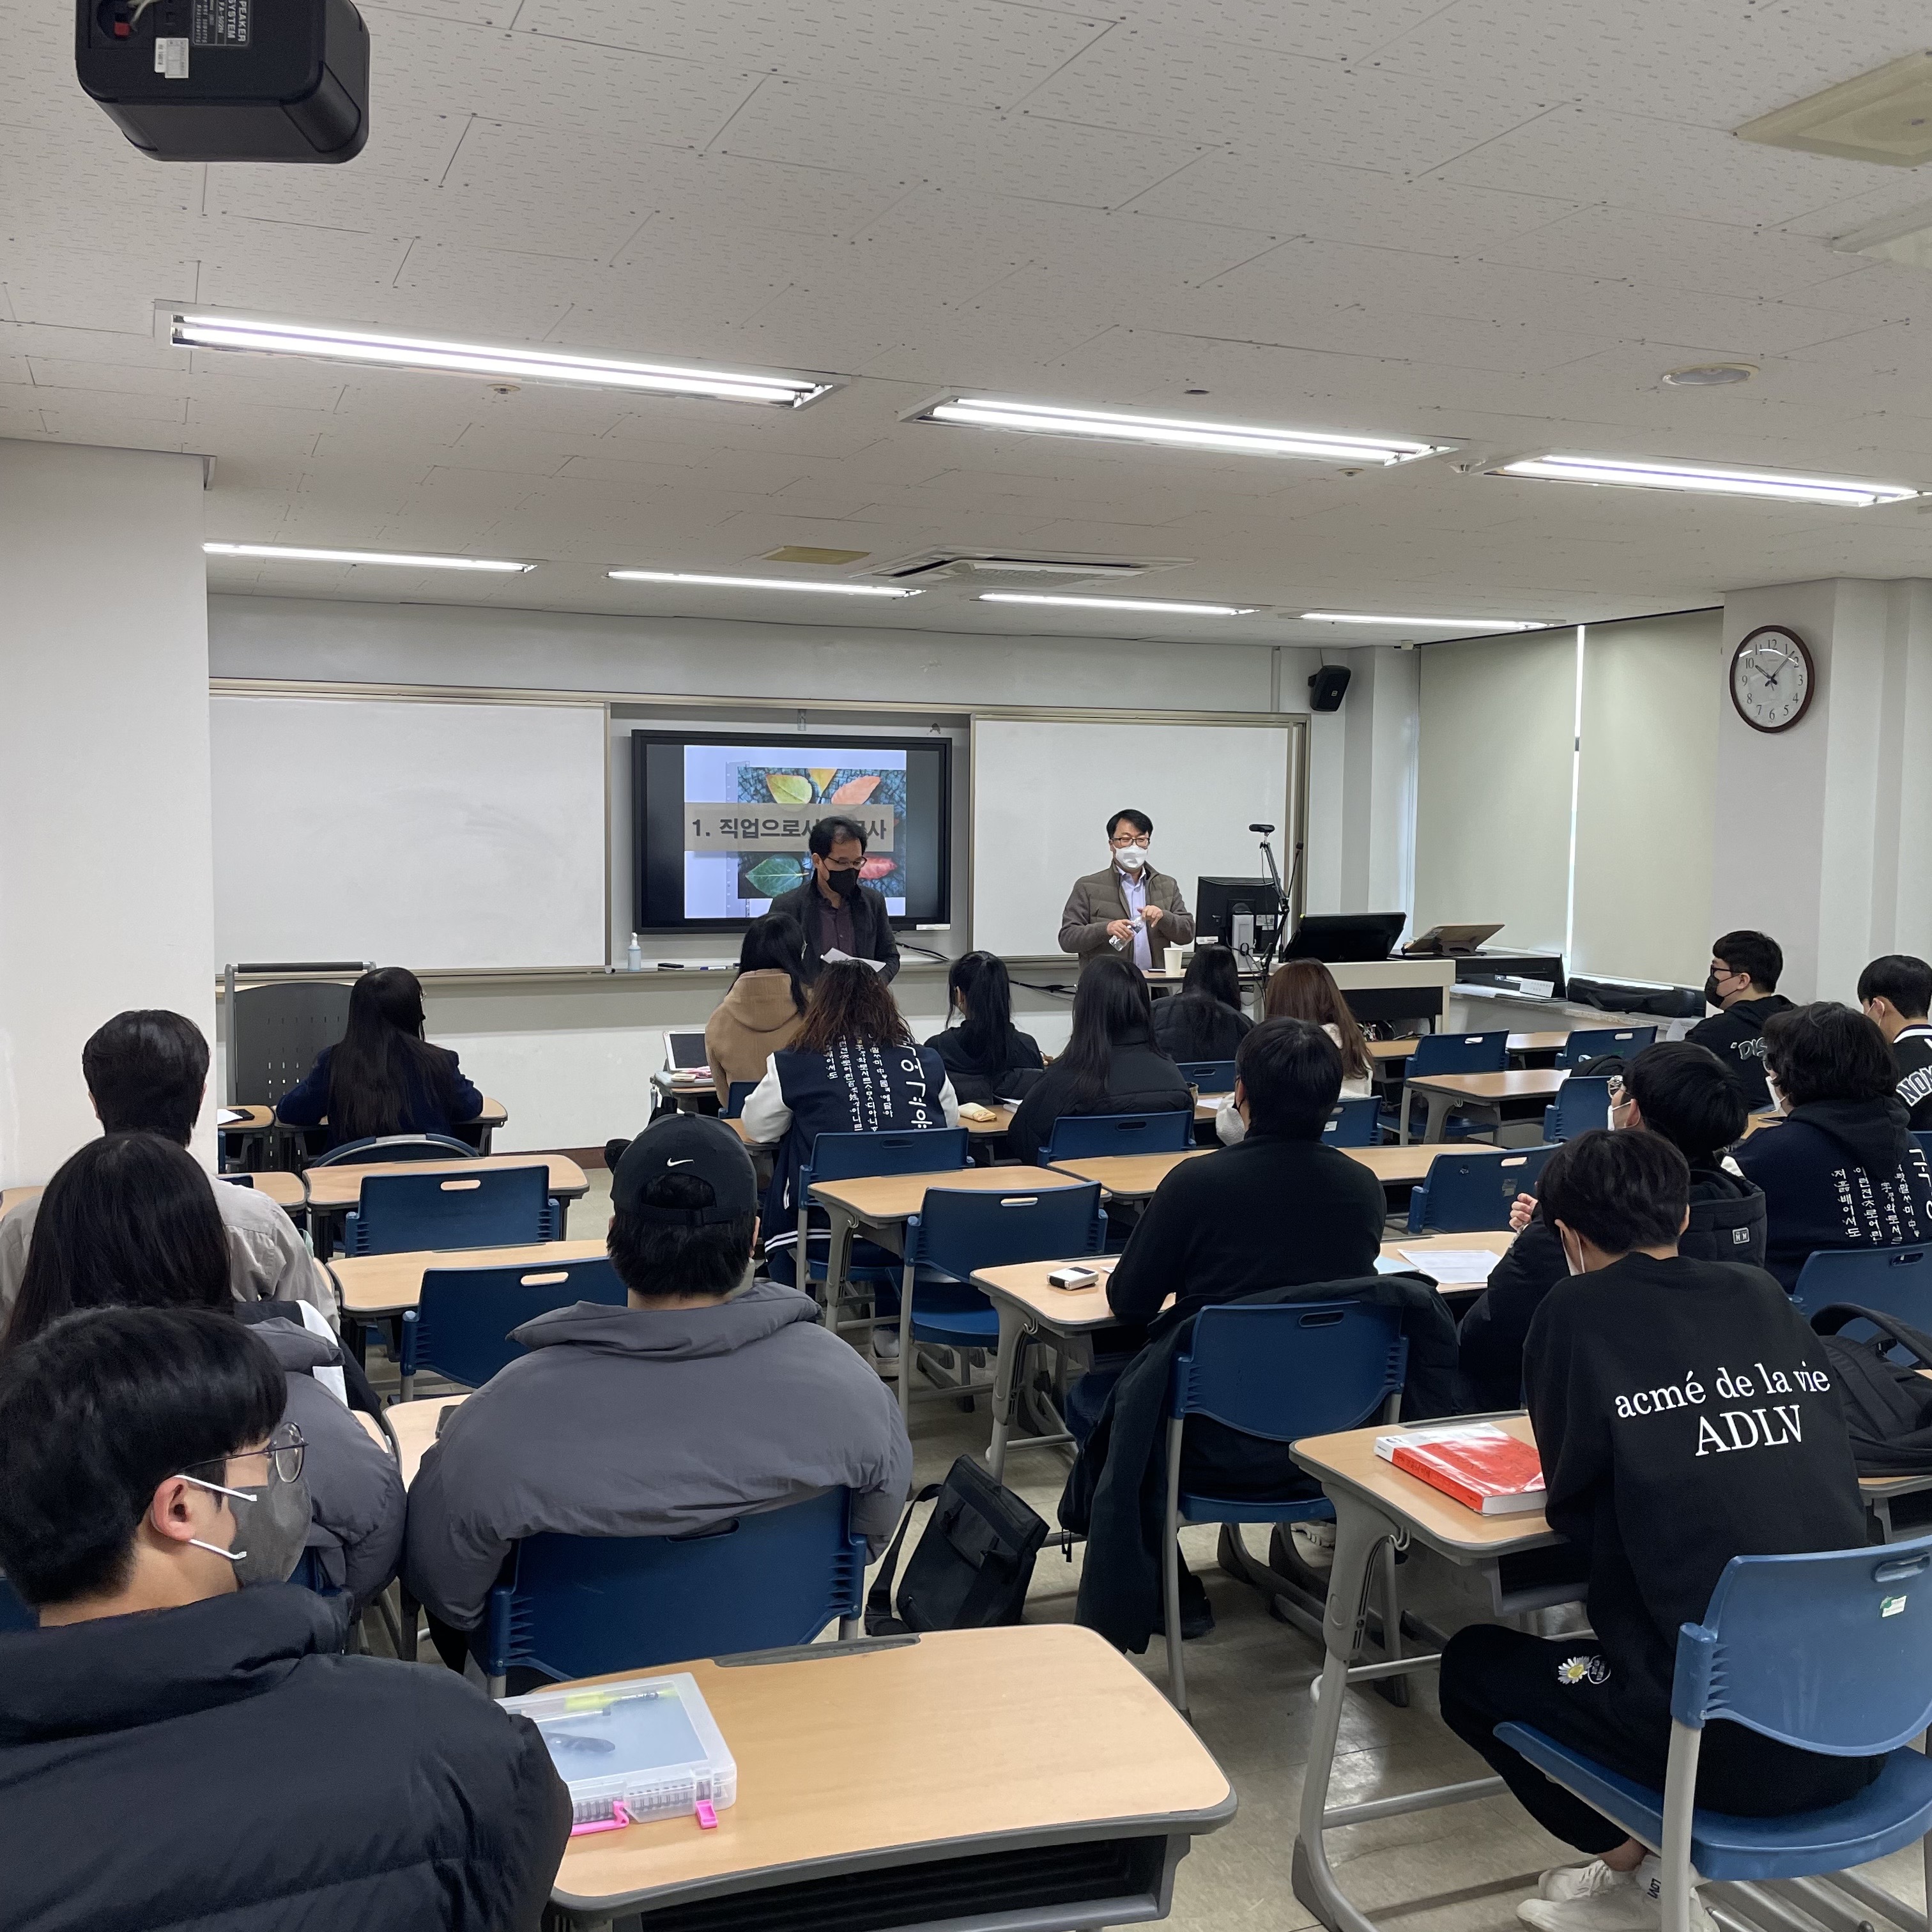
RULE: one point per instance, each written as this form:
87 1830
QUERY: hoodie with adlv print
1838 1174
1685 1415
652 1422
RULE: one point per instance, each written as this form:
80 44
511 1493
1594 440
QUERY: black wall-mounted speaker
1326 687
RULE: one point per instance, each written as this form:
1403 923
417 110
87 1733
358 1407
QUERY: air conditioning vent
991 570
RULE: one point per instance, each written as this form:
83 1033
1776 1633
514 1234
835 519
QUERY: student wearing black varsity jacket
1895 995
1685 1416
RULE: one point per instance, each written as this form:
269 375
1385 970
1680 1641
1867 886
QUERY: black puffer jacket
1140 1079
223 1766
1727 1224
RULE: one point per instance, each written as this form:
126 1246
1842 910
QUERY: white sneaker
886 1344
1594 1898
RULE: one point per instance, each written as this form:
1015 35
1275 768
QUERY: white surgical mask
1130 858
1777 1093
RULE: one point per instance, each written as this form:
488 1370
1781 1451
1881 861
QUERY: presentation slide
724 825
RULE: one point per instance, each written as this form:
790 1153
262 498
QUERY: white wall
571 1060
105 867
1820 829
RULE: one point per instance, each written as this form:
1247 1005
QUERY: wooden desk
1519 1042
373 1285
1457 1293
1479 1094
979 1130
857 1765
886 1200
1128 1177
1397 1166
333 1191
254 1119
1026 1303
1376 1504
285 1190
415 1424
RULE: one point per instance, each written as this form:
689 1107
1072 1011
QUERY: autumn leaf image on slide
765 875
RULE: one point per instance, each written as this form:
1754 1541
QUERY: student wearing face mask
1679 1424
178 1747
1842 1169
1674 1089
132 1221
837 913
1743 985
1128 910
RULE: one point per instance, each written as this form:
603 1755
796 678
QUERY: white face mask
1130 858
1771 1087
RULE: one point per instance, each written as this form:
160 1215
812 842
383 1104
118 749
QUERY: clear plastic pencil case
650 1744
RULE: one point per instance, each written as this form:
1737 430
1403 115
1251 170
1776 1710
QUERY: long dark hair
977 982
129 1222
1110 1003
775 944
850 1001
1212 971
1305 989
383 1056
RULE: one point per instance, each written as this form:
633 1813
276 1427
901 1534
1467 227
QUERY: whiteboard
1044 789
413 833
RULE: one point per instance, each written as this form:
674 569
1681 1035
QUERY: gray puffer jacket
651 1422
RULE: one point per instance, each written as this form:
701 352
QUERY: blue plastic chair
1354 1124
956 1232
736 1095
1279 1371
1582 1103
1096 1136
1452 1053
1830 1653
856 1156
14 1615
1464 1193
496 1207
396 1147
581 1605
459 1327
1588 1043
1893 1281
1209 1076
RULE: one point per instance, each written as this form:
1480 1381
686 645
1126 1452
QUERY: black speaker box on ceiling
229 80
1325 688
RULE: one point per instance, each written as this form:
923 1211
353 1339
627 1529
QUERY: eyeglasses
285 1450
1121 838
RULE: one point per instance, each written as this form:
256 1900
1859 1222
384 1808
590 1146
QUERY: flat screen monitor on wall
723 823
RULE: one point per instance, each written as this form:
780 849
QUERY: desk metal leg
1362 1534
1438 1121
1402 1120
1013 1326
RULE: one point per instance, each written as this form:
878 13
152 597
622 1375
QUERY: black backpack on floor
971 1567
1887 1404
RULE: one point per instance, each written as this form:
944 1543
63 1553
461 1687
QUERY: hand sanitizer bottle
637 955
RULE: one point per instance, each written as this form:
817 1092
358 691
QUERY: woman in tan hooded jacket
765 1007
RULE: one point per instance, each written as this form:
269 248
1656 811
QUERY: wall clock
1772 678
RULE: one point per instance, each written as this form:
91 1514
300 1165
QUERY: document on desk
227 1116
835 957
1453 1268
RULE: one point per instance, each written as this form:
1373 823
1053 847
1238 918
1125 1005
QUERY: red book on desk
1485 1468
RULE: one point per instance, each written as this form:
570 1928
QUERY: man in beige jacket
1128 908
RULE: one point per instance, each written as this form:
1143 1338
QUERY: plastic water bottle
637 955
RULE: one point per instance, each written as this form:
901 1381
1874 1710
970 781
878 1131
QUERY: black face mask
1711 991
844 884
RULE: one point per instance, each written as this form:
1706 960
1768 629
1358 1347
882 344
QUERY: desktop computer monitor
1237 913
1340 937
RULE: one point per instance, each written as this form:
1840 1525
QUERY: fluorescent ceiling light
1176 432
473 358
1421 623
287 553
757 584
1841 490
1885 116
1162 608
